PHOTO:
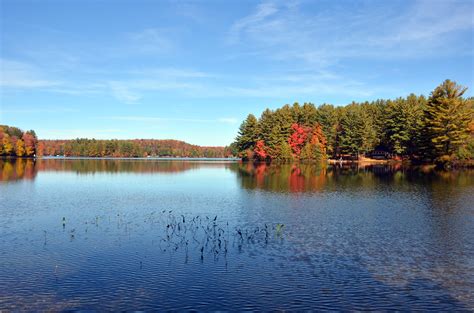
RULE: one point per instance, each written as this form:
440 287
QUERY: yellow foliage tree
20 148
7 145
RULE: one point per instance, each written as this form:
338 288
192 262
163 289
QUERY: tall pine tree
446 118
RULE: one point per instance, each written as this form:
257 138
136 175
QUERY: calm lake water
149 234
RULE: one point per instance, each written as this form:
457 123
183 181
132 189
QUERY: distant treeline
16 143
439 128
128 148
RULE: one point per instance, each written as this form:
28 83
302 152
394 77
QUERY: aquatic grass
194 235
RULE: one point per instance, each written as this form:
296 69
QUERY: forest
437 129
127 148
16 143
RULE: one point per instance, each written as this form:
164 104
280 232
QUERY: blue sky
193 70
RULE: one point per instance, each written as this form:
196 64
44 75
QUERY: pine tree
350 135
285 151
367 130
248 134
274 143
401 124
327 118
265 125
446 117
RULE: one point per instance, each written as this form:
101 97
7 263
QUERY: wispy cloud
151 119
151 40
40 110
252 21
228 120
14 74
101 133
123 93
200 84
303 49
171 73
366 29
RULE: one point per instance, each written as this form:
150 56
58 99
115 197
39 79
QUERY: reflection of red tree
296 180
397 167
260 173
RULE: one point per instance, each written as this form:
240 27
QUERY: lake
218 235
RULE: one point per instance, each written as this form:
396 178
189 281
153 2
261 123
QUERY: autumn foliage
298 138
128 148
16 143
436 129
260 150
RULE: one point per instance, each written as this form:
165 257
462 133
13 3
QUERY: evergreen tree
327 118
401 125
368 130
350 135
285 151
274 143
265 125
446 118
248 134
309 115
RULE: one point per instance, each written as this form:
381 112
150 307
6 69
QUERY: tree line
128 148
16 143
439 128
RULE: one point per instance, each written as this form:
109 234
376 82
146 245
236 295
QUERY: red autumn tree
260 150
297 139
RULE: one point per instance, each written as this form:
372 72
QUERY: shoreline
117 158
362 161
